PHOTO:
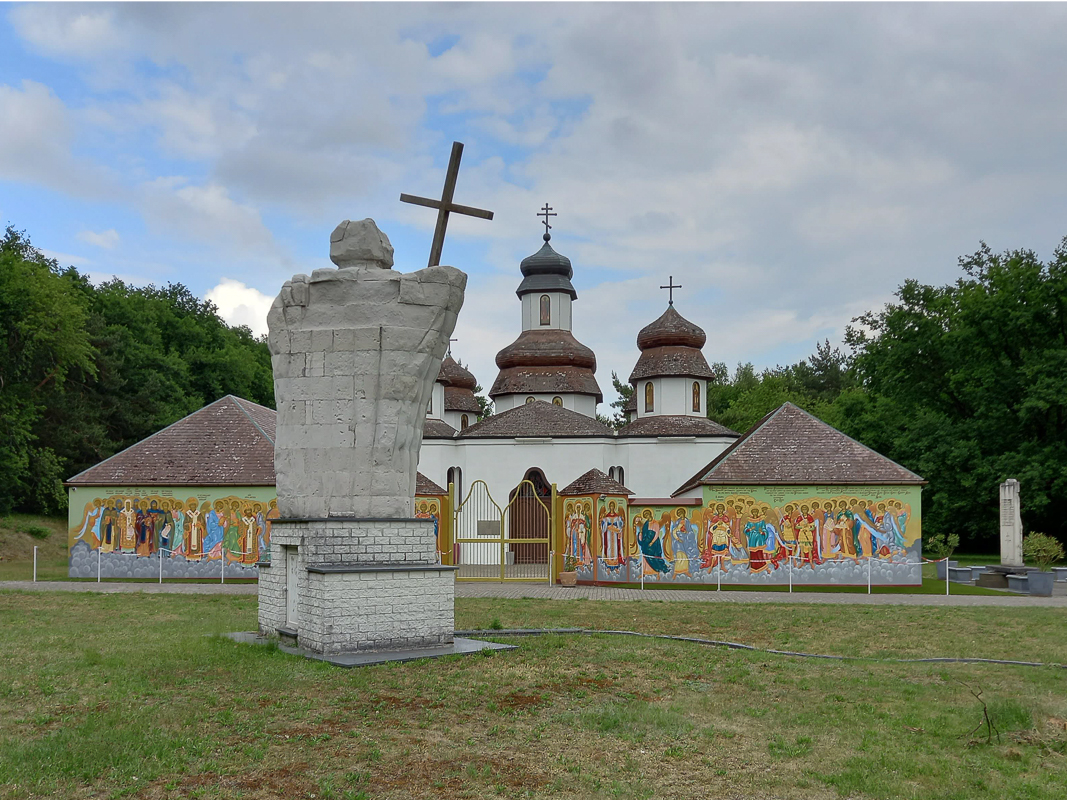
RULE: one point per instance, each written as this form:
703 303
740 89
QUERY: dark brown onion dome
670 347
656 362
671 330
546 380
546 271
454 374
546 348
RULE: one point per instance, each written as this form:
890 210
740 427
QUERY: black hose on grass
738 646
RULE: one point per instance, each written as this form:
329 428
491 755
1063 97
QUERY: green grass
133 695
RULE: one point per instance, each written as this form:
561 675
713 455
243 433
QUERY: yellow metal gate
510 543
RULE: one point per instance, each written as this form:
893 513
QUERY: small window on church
464 421
650 397
696 396
530 399
546 310
620 476
557 401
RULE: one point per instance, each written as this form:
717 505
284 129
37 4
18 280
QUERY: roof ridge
240 401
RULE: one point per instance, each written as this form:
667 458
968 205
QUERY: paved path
545 592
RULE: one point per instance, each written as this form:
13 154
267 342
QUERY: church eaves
791 447
594 482
674 425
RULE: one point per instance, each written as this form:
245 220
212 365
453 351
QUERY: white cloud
239 304
65 259
204 213
106 239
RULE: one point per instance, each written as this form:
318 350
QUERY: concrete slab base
459 647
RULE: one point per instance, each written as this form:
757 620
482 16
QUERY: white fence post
790 574
223 560
35 563
869 559
99 555
946 576
718 577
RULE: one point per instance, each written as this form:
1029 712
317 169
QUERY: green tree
42 339
966 384
625 392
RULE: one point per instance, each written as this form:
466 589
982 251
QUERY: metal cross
450 345
671 285
547 212
445 205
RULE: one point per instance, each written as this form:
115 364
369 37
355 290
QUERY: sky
790 165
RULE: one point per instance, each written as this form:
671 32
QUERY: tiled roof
546 348
594 482
546 380
667 361
675 425
437 429
671 330
790 446
536 419
425 486
459 399
227 443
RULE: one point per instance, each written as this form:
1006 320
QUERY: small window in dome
650 397
546 310
530 399
464 422
557 401
696 396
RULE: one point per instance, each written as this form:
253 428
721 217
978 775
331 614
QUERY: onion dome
670 346
671 330
546 271
546 361
453 374
459 387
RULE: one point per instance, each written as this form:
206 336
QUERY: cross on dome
547 212
671 286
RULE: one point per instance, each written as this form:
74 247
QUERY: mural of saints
684 544
653 547
430 509
716 538
612 535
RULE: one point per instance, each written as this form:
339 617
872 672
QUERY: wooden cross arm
430 203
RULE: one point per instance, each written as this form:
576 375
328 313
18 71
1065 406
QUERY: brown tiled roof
666 361
675 425
790 446
594 482
546 348
671 330
454 374
536 419
547 380
227 443
437 429
458 399
425 486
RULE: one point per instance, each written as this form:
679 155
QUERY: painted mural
751 535
126 531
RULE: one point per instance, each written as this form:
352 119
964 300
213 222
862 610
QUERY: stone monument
355 352
1011 525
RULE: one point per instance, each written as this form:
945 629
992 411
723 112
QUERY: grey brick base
353 594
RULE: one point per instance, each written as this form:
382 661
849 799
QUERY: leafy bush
939 546
570 564
1042 549
36 531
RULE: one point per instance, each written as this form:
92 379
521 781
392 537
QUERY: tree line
86 371
965 384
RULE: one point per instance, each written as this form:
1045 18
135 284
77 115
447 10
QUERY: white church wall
437 401
582 403
653 467
560 318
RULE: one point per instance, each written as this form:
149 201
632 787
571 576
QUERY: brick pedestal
360 584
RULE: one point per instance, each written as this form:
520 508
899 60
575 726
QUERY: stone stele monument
355 352
1011 524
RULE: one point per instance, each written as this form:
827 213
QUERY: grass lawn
110 696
